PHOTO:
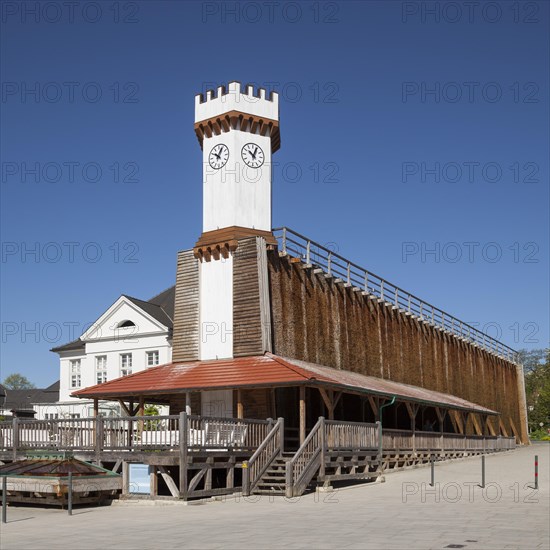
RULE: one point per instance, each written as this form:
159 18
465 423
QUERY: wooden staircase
273 481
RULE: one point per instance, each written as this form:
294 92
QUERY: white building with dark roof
129 337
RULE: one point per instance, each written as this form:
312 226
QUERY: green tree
17 381
537 389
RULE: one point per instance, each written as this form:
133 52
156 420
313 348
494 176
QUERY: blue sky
378 101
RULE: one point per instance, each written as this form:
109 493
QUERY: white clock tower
238 131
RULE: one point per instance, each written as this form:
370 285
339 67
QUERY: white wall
216 308
238 98
237 194
112 349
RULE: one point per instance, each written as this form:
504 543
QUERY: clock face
218 156
253 155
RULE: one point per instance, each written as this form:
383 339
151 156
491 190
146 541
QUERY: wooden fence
136 433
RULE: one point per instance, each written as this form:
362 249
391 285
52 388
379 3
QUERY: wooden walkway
205 456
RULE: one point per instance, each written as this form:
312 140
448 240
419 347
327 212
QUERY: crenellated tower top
231 108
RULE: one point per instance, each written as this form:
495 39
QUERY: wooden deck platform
194 457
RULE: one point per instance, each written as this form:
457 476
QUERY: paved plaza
402 513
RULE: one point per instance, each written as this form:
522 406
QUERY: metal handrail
351 274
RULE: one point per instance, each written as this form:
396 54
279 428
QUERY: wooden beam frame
124 407
502 427
331 400
374 403
477 424
171 484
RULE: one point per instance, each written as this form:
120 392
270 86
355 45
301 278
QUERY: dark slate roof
23 399
166 300
160 307
155 309
71 346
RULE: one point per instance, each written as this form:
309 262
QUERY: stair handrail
270 448
301 468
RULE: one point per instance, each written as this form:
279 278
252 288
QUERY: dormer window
126 324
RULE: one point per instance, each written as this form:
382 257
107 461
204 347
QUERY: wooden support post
441 417
208 476
273 403
141 406
125 478
96 407
240 409
412 409
230 477
323 449
375 406
302 414
188 403
15 436
153 481
328 399
141 412
98 439
183 452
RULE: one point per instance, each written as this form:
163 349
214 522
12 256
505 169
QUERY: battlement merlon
233 99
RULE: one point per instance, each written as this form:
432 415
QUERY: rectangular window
152 358
75 373
125 364
101 368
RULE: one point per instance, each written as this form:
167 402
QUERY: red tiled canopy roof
262 371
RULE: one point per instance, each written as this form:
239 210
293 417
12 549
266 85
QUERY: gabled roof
263 371
154 310
160 307
24 399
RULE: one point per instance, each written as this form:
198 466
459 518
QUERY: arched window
125 324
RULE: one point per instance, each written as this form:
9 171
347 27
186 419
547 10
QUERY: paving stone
368 516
